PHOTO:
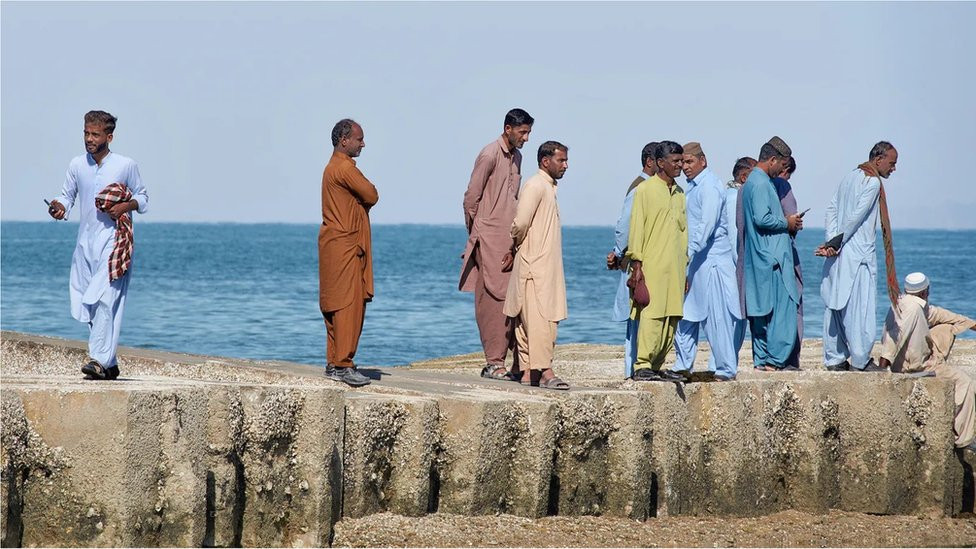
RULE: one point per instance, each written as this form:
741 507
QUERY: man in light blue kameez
712 299
96 299
616 260
849 285
772 296
733 207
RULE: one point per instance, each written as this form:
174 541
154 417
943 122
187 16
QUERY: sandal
555 384
494 371
94 370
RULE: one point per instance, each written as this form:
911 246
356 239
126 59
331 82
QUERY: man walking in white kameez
100 270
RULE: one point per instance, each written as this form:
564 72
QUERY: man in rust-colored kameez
489 209
345 256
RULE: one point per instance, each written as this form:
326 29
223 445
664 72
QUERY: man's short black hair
518 117
768 151
791 166
664 148
648 152
342 129
102 118
880 148
744 163
549 148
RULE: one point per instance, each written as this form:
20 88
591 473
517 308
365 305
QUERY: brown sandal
555 384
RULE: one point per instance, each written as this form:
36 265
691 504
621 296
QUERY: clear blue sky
227 107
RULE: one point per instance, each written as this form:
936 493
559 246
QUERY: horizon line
415 223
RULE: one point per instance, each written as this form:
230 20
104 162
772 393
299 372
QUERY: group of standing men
706 260
699 262
513 257
512 261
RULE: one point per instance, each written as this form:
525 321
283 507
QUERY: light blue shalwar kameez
772 296
95 300
849 285
732 210
621 302
712 302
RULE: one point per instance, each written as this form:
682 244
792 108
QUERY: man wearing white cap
919 338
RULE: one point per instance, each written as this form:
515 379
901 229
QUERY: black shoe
94 370
842 367
350 376
645 374
870 367
112 372
671 375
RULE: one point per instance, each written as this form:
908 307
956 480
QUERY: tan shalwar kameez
537 290
489 208
920 339
345 256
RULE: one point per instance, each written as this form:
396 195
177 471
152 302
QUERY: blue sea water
251 291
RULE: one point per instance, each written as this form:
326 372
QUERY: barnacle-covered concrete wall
197 451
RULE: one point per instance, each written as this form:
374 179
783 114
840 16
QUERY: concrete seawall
187 450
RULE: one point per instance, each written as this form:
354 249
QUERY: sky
228 107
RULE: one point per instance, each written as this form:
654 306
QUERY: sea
251 290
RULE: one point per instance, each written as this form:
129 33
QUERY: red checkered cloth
121 258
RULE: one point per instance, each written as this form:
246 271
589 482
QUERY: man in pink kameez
486 265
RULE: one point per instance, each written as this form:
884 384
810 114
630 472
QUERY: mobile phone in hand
803 213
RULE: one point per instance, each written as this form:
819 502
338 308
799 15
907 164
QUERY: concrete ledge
188 451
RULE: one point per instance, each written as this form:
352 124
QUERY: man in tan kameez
658 250
489 208
345 255
537 290
919 338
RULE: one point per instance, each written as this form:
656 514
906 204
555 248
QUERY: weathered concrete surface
192 450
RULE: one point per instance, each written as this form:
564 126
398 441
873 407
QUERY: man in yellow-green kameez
658 250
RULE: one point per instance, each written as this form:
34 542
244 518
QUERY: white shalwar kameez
95 300
849 280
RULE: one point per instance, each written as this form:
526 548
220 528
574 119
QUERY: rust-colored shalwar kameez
345 256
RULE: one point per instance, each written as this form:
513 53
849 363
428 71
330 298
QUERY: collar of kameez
91 159
341 156
547 177
917 299
503 143
657 178
698 178
762 174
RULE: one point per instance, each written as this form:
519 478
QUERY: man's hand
613 262
121 209
794 223
56 210
825 252
687 286
507 262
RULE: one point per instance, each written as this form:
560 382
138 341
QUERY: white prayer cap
916 282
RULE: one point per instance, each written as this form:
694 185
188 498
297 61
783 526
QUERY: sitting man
919 338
